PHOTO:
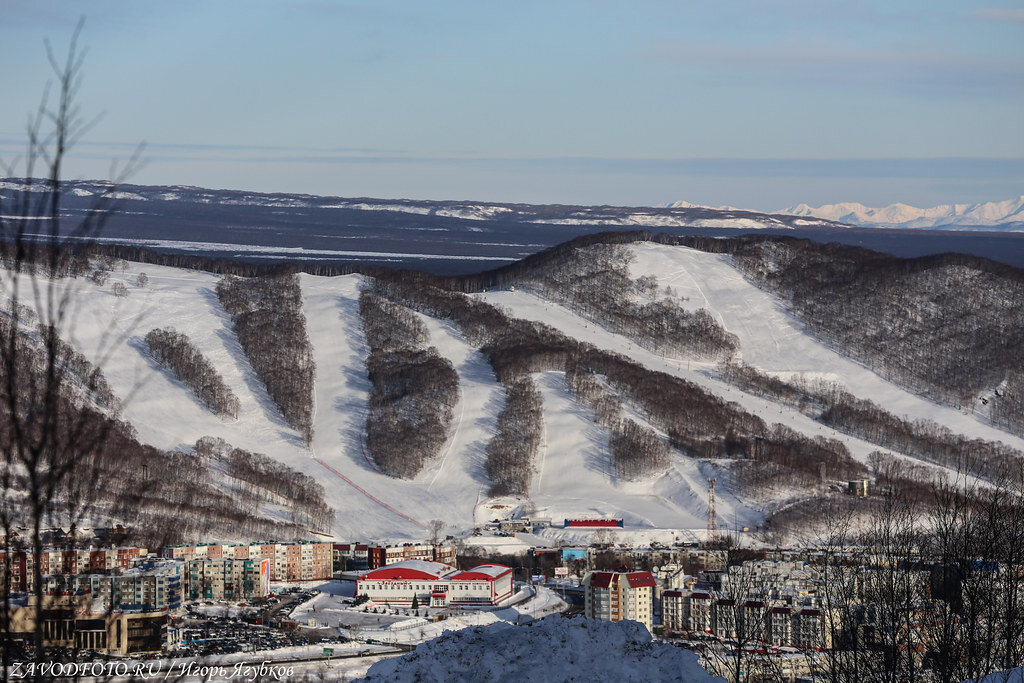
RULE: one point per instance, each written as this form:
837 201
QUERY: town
751 613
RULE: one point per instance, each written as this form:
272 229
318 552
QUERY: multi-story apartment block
811 630
351 556
699 610
367 556
615 596
802 626
753 620
152 586
725 613
300 561
67 561
672 617
780 626
227 578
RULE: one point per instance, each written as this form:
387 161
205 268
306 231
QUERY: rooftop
410 569
482 572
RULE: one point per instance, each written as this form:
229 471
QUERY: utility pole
712 512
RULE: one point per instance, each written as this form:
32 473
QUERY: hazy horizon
759 105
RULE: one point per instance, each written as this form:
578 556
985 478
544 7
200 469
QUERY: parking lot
211 629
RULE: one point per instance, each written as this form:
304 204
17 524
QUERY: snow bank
555 649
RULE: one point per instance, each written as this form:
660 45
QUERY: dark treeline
594 282
388 326
271 328
165 495
703 425
77 259
413 389
177 353
950 327
517 439
697 423
80 370
81 380
260 478
171 497
636 450
832 405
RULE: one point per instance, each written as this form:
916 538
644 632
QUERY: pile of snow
555 649
906 216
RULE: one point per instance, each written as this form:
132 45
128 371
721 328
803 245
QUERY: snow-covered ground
573 476
575 479
379 623
770 339
348 662
552 649
774 341
987 214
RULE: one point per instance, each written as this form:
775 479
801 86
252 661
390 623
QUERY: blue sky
754 103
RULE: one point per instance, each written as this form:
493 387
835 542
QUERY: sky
759 104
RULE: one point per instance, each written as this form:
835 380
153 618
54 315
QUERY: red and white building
486 584
436 585
398 583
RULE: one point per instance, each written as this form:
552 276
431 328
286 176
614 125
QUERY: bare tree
435 528
56 411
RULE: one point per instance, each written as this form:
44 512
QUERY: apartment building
227 578
806 627
151 586
299 561
616 596
369 556
66 561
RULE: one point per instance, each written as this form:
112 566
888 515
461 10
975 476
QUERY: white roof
435 569
491 570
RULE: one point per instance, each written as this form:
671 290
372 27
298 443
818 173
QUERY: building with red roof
487 584
436 584
615 596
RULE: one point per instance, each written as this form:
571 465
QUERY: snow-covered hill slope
573 476
554 648
1006 215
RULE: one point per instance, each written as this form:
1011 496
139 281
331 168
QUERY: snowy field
572 477
552 650
379 623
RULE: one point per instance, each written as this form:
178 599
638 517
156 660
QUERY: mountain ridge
1007 215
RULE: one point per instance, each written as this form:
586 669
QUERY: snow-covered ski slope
573 472
770 339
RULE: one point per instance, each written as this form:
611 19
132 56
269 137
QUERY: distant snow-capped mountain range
1007 215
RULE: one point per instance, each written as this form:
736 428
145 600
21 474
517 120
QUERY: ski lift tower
712 513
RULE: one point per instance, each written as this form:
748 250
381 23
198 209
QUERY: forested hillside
611 376
414 389
949 327
174 351
98 469
268 319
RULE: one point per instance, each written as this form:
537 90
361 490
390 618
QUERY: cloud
1003 16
